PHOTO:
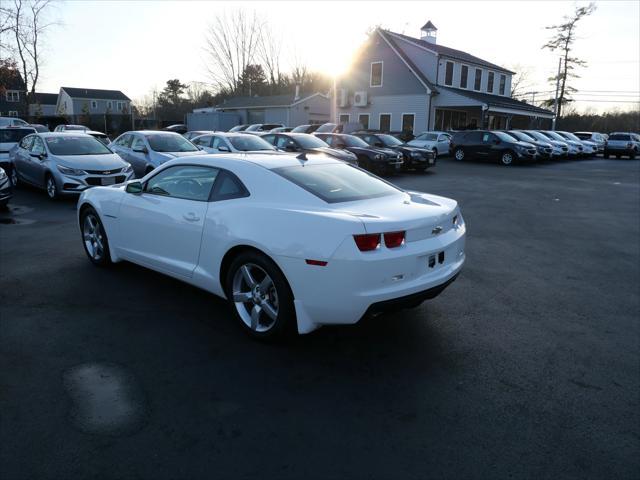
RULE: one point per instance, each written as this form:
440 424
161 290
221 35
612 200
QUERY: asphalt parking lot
528 366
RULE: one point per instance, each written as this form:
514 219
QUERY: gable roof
95 93
499 101
429 26
268 101
448 52
412 66
46 98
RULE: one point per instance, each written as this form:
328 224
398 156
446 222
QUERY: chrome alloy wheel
459 154
51 187
255 297
507 158
93 237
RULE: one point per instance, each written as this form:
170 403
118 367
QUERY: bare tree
299 69
25 23
563 40
269 48
520 81
231 44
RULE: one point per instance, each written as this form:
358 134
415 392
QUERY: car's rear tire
606 155
459 154
633 155
260 296
14 176
51 187
94 238
507 158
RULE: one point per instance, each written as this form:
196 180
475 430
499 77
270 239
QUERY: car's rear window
14 135
620 136
337 182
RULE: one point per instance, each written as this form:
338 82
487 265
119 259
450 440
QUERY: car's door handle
191 217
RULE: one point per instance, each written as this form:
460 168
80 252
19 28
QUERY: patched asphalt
528 366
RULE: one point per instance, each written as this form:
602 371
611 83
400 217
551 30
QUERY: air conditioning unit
343 97
360 99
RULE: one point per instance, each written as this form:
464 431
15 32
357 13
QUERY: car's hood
170 155
422 143
414 212
334 152
525 144
110 161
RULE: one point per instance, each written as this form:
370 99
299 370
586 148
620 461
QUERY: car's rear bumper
345 289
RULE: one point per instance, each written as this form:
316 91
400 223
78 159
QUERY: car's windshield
389 140
504 137
430 137
238 128
537 135
309 141
162 142
555 136
14 135
353 141
246 143
101 137
522 136
337 182
326 128
70 145
583 136
75 128
300 129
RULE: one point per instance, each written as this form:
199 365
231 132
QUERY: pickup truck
622 143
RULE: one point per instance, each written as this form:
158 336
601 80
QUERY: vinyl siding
396 105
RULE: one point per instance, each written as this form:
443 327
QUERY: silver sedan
232 142
67 163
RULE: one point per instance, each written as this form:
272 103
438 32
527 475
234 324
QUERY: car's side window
486 137
27 142
329 139
227 187
217 141
124 141
189 182
269 139
138 142
38 146
204 141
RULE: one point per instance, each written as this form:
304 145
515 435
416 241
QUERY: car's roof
268 160
94 132
62 134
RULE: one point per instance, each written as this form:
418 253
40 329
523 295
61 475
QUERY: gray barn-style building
290 109
401 83
74 102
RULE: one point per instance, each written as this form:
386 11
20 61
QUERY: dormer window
478 80
503 82
375 80
448 74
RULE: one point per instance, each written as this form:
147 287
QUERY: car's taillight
393 239
367 242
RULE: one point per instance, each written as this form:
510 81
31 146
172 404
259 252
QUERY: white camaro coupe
290 241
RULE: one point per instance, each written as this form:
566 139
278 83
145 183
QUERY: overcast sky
137 46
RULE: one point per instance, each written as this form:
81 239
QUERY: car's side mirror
39 156
223 148
341 145
134 187
141 150
291 148
497 141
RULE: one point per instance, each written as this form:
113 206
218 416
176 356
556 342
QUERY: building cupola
428 32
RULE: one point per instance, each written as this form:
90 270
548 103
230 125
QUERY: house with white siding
402 83
74 102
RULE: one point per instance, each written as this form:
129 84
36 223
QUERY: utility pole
555 102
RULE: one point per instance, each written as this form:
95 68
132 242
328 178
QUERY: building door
408 120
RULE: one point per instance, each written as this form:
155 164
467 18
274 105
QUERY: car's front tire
94 238
260 296
51 187
459 154
507 158
14 176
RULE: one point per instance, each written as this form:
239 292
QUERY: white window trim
460 80
413 127
13 113
453 73
494 82
109 104
380 120
12 92
368 120
342 114
371 74
94 104
475 72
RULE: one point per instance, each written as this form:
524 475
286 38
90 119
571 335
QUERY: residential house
12 94
402 83
74 103
290 109
44 105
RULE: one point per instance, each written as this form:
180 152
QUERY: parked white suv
438 142
622 143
